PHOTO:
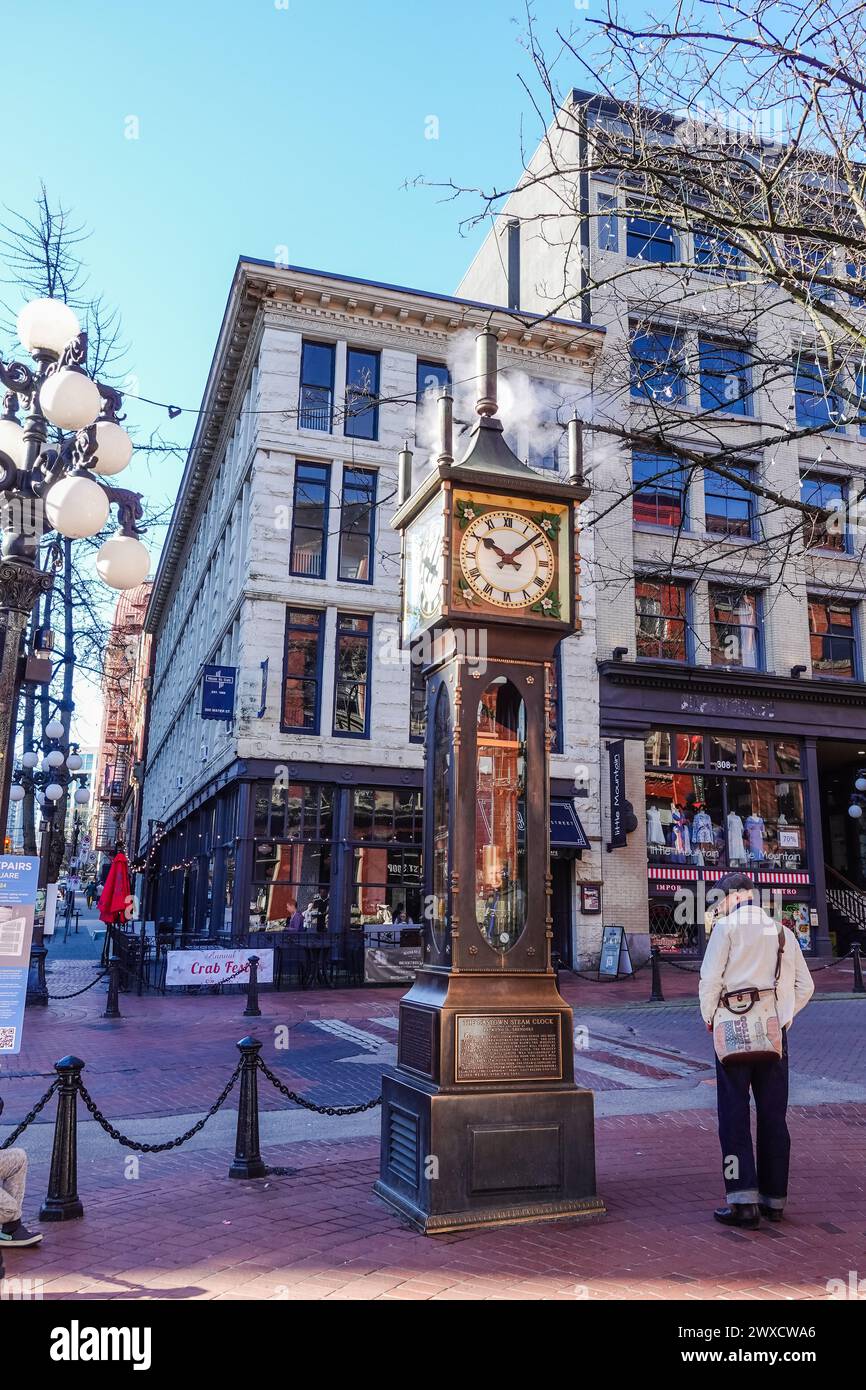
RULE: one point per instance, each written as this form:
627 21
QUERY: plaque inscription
508 1047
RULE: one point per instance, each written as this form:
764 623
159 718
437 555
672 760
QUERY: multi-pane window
735 638
661 620
362 394
317 386
352 676
608 226
302 671
830 494
729 506
856 273
430 377
817 401
716 256
726 383
310 519
657 364
357 525
832 638
649 238
659 489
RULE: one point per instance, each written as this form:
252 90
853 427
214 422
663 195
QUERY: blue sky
261 123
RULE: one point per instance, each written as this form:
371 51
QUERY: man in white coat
741 954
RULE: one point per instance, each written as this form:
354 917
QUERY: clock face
422 568
507 559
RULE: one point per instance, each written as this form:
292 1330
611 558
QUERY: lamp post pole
57 485
51 782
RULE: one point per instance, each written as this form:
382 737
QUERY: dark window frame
325 469
674 485
818 479
853 641
757 627
315 630
355 393
670 364
314 343
715 486
373 474
685 619
741 357
348 632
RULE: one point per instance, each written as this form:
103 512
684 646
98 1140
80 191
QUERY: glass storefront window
684 816
723 752
756 755
500 815
386 887
289 878
787 756
728 819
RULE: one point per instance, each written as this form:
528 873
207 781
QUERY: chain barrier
31 1115
169 1143
311 1105
89 985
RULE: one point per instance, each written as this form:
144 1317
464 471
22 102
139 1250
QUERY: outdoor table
314 956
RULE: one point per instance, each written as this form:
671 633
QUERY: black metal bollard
859 987
252 1010
657 995
62 1202
112 1004
248 1162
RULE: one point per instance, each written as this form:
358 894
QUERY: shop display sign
18 878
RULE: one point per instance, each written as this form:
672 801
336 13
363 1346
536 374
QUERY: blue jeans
746 1181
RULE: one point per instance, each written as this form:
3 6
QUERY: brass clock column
484 1123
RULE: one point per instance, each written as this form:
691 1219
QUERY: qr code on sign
7 1039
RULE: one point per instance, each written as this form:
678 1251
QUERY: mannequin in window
755 832
736 848
680 841
655 835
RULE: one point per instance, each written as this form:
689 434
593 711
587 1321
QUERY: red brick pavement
185 1231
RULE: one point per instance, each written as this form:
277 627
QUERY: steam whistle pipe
486 350
446 426
404 473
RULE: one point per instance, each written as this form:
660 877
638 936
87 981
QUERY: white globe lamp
29 759
82 796
16 792
54 758
74 761
855 811
122 562
113 448
12 441
54 729
54 791
47 324
77 506
69 399
860 784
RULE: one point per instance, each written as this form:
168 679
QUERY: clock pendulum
482 1122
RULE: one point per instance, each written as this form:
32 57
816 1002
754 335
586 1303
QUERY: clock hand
511 558
491 545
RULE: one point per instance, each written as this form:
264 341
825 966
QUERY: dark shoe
741 1214
771 1213
16 1235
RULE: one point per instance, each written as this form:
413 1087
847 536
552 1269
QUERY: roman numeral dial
507 559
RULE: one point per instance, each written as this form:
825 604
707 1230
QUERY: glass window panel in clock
500 815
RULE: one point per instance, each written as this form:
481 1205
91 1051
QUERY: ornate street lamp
55 485
49 782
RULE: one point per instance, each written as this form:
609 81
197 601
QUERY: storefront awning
566 831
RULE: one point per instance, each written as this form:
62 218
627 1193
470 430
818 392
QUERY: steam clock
483 1122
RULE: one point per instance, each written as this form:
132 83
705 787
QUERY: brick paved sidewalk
185 1231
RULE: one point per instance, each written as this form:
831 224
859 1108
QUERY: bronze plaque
508 1047
415 1040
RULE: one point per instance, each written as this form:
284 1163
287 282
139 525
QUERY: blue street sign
218 692
19 875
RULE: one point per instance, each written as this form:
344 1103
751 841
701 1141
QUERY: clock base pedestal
455 1162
